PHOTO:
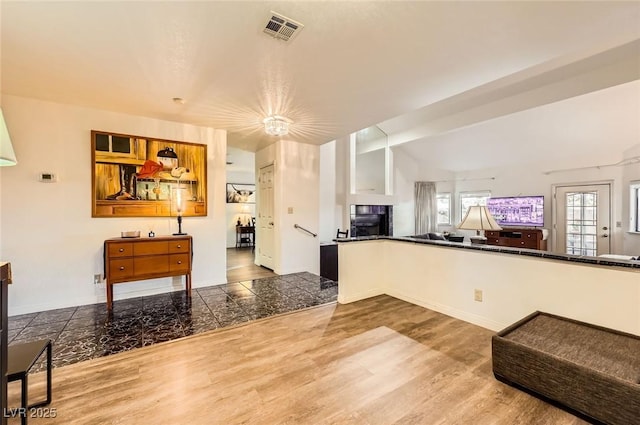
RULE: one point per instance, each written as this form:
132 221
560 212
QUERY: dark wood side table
245 235
22 357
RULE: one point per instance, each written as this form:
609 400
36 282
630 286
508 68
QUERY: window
444 208
108 146
468 199
634 204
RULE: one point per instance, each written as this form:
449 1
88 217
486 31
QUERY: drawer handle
121 250
179 262
179 246
121 268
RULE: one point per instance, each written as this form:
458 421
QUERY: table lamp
478 218
179 200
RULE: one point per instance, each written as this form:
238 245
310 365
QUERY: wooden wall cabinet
130 259
517 238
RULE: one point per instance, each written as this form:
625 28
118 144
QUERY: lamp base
478 240
179 234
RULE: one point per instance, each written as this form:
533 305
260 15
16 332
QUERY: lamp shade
478 217
7 156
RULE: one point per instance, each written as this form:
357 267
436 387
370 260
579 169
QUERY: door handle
605 228
605 236
271 223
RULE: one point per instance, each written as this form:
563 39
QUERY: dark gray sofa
440 237
590 369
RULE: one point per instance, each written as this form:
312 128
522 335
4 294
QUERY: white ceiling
601 124
353 65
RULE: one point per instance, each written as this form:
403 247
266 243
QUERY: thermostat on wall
47 178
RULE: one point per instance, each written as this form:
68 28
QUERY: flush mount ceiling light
276 125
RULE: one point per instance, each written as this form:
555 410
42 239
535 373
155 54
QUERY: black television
523 211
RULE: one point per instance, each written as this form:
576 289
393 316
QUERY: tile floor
89 331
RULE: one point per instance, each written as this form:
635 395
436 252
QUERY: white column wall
299 204
328 211
297 182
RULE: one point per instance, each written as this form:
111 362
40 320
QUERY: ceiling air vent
281 27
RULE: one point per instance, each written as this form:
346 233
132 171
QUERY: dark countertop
583 259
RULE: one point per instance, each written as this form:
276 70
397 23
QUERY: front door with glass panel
582 219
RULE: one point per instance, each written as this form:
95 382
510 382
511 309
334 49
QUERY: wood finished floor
240 266
377 361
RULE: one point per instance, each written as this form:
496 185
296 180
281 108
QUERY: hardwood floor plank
241 267
378 361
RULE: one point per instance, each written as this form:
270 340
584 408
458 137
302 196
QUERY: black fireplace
371 220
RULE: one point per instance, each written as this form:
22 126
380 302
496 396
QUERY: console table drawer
120 249
179 246
179 262
151 248
527 243
150 264
120 268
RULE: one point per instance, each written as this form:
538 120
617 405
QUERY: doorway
240 217
241 266
582 219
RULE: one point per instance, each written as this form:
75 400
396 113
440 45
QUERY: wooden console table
245 235
517 238
129 259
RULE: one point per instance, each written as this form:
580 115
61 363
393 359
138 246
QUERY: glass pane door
582 220
581 234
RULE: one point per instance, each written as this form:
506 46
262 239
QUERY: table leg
25 400
109 296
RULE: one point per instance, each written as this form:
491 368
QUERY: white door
265 240
583 219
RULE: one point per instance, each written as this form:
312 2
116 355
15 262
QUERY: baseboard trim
349 298
451 311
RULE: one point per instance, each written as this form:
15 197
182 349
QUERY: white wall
49 236
370 172
297 173
530 179
327 219
405 174
630 173
513 286
298 178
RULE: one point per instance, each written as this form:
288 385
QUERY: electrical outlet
97 278
290 210
477 295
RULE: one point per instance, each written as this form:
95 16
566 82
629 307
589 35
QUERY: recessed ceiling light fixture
276 125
